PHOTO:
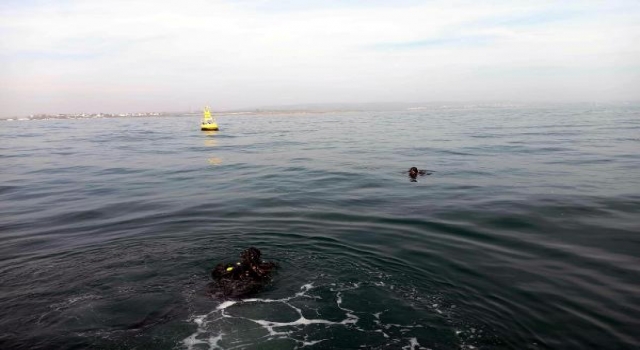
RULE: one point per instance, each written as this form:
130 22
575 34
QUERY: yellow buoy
208 121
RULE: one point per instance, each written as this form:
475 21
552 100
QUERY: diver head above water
241 279
414 172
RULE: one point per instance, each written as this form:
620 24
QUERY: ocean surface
525 236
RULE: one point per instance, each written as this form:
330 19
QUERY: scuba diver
414 172
241 279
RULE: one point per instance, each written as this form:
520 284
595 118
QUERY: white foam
258 300
192 341
314 342
304 289
383 333
225 305
208 325
413 344
213 342
302 321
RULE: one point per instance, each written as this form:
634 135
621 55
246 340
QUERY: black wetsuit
239 279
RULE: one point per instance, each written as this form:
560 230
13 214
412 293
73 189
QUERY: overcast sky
152 55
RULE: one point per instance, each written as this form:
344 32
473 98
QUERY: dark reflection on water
524 236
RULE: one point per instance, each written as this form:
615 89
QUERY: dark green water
526 236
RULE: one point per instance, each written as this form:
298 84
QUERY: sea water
526 234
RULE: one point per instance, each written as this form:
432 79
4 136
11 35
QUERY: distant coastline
328 108
45 116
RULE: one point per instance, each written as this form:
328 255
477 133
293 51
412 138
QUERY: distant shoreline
337 108
165 114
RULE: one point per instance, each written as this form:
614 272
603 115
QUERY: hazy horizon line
342 107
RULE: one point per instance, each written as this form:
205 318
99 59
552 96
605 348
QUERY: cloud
443 41
144 55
